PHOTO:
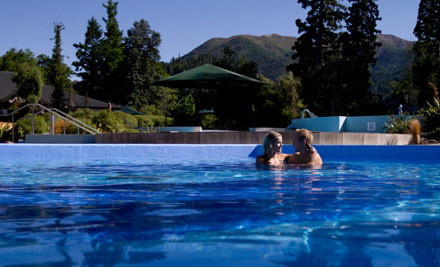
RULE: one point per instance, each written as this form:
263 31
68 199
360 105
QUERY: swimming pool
173 205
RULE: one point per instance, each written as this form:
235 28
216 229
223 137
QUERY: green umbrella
208 76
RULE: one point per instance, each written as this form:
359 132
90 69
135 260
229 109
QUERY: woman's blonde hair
268 141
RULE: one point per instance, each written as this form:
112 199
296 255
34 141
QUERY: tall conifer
60 72
112 54
142 57
317 55
359 50
426 67
89 64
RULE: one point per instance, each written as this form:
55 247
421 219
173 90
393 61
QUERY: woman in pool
305 153
272 145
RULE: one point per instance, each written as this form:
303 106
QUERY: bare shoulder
315 158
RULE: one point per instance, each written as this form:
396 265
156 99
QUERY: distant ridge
273 53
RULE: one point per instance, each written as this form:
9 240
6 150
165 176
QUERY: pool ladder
53 114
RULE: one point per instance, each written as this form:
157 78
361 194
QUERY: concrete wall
320 138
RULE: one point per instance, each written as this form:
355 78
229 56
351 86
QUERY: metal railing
53 113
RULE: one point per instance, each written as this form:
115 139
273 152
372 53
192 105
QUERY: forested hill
273 53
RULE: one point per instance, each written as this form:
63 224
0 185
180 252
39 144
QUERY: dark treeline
329 73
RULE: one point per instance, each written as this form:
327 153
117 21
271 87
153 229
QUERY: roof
8 89
72 99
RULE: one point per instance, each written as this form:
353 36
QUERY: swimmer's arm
260 160
292 159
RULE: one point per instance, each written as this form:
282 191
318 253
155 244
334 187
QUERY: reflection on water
343 214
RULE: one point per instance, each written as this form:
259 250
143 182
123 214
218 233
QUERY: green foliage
142 54
405 90
24 126
29 80
431 120
209 121
277 103
112 51
89 64
184 110
12 59
144 121
130 121
426 67
358 53
398 124
5 132
106 122
317 55
58 71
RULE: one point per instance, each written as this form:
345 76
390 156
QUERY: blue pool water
207 211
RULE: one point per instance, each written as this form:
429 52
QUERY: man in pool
272 146
305 153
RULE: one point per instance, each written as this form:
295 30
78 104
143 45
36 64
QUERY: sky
182 24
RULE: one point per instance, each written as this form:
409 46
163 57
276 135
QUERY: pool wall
194 151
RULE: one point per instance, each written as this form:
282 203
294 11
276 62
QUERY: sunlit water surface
181 212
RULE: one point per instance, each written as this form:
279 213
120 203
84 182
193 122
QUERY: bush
129 121
152 120
209 121
107 122
431 120
23 126
398 124
5 131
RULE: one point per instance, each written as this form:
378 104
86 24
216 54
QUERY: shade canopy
208 76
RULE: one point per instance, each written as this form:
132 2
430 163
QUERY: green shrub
152 120
23 126
82 113
151 110
107 122
209 121
129 121
431 120
397 124
5 132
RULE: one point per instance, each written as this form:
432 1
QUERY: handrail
311 114
76 120
54 112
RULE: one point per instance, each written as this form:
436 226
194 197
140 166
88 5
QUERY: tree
317 55
29 80
234 106
112 54
11 60
277 102
141 65
358 51
89 62
426 67
59 72
28 75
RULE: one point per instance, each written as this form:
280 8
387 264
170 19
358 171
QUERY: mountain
273 53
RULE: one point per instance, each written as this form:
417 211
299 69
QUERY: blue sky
183 25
